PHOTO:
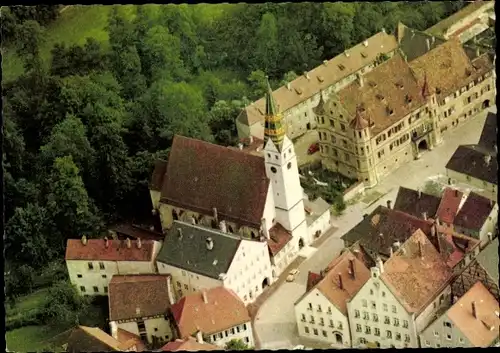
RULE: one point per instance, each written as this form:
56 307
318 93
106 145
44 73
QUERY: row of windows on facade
387 319
233 330
324 333
468 87
83 289
321 322
250 295
388 333
91 266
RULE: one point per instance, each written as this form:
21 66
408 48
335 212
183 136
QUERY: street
275 324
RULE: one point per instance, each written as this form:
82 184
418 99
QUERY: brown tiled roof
452 246
448 68
91 339
358 123
413 279
362 255
188 344
483 330
381 94
488 139
128 340
158 175
137 296
470 160
254 146
136 232
312 280
322 77
223 310
117 250
279 237
448 207
474 212
201 176
330 287
409 201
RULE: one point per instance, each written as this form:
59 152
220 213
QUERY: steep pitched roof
330 285
128 340
312 280
488 139
185 246
323 76
137 296
383 227
448 207
483 329
416 273
448 68
223 310
278 238
413 43
416 203
472 160
188 344
91 339
452 247
117 250
201 176
488 258
385 94
474 212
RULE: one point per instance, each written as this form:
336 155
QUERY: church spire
425 87
274 128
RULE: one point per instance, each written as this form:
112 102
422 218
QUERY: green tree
237 345
258 83
288 77
267 45
19 282
337 20
65 307
29 38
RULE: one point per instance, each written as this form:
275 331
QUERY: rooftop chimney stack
264 229
341 284
306 75
474 309
420 250
365 43
380 264
106 242
129 244
325 62
428 42
360 80
139 244
223 226
199 337
193 220
389 204
424 215
250 139
419 194
456 192
487 160
396 245
205 298
84 240
216 217
351 267
391 252
240 146
179 231
289 86
210 243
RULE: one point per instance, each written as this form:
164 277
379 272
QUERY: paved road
275 321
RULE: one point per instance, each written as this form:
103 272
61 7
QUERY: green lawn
29 338
29 302
79 22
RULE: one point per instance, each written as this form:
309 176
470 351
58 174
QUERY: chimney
215 215
438 222
84 240
420 250
380 264
365 43
477 52
495 148
289 86
428 42
389 204
455 299
383 30
129 244
433 230
199 336
306 75
179 231
325 62
106 242
240 146
360 80
419 194
210 243
341 284
139 244
264 229
138 311
474 309
250 139
391 252
170 292
205 298
487 160
396 245
346 54
223 227
114 329
456 192
424 215
351 268
433 39
357 253
193 220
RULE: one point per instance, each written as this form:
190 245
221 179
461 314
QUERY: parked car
292 275
313 148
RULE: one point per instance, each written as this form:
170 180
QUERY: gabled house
140 304
321 313
450 203
398 300
215 316
92 262
416 203
188 344
93 339
200 258
472 321
477 218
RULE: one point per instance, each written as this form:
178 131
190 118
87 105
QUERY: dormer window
380 97
341 67
399 85
363 54
321 78
438 90
372 83
298 91
389 110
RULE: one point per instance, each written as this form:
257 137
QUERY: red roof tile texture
201 176
448 207
116 250
279 237
223 310
188 344
137 296
474 212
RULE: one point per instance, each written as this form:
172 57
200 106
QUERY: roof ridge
207 229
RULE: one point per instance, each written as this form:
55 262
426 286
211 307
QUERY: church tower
283 172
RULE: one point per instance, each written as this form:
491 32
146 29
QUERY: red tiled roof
201 176
254 146
137 296
117 250
452 246
416 279
279 237
474 212
223 310
312 280
128 340
448 207
188 344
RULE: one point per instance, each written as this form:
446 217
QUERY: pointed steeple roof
320 108
274 127
425 88
358 123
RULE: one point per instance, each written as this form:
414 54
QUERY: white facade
148 328
317 318
251 267
485 234
243 332
282 259
321 225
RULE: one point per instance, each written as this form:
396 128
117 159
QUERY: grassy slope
27 303
76 23
28 339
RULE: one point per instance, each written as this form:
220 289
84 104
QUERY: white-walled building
92 262
140 304
200 258
318 217
216 316
473 321
321 313
400 298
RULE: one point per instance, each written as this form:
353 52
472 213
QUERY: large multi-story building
389 115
